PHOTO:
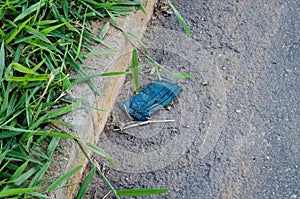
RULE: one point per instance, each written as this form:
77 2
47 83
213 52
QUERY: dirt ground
236 129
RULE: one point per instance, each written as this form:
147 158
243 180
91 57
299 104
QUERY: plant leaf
12 192
135 68
2 60
21 68
180 19
113 18
63 178
37 34
183 75
130 34
19 171
15 33
103 31
141 192
30 10
20 179
102 153
85 185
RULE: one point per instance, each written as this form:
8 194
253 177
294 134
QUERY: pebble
238 110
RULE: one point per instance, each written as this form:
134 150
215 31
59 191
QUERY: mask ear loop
126 111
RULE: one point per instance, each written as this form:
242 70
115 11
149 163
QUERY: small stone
238 110
219 105
293 196
205 83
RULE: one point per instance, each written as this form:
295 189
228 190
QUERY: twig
107 195
143 123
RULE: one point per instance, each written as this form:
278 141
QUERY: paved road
240 135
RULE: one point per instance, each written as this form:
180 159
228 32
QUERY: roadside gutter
90 122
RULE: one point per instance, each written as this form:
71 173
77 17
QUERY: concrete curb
91 122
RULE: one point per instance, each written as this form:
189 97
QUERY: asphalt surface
237 137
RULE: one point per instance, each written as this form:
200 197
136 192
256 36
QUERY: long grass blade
130 34
85 185
99 53
38 195
30 10
141 192
2 60
52 28
183 75
39 174
80 38
180 19
18 191
135 68
62 179
102 153
21 68
15 33
113 18
37 34
20 179
89 77
19 171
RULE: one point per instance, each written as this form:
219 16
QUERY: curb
90 123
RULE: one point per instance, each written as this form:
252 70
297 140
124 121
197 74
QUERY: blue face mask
155 96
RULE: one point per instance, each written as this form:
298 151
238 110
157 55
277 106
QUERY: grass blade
52 28
99 53
180 19
30 10
37 34
85 185
92 9
81 37
19 171
15 192
28 78
65 110
2 60
135 68
20 179
113 18
130 34
2 155
141 192
39 196
80 71
15 33
63 178
21 68
183 75
54 134
52 146
108 183
18 52
40 174
103 31
65 7
88 77
102 153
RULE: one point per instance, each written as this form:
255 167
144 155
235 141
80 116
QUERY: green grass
41 41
